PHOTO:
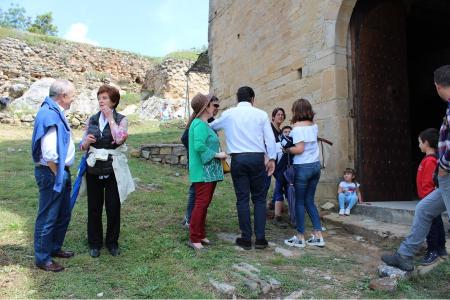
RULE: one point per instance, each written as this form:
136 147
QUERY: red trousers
203 195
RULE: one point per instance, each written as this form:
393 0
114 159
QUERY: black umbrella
289 177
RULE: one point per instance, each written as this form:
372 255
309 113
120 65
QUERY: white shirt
102 121
247 129
308 135
349 188
49 151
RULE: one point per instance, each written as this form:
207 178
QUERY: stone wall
29 68
168 80
286 50
172 154
85 65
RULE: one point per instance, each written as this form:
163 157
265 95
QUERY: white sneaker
341 212
347 212
315 241
295 242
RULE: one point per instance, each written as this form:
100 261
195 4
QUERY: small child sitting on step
348 192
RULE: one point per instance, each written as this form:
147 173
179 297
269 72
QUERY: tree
42 24
14 17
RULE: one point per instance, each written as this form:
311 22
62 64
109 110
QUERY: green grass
183 54
155 262
130 98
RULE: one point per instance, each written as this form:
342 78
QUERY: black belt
247 153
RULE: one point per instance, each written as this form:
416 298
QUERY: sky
148 27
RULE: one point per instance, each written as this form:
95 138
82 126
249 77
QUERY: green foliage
42 24
183 54
15 17
130 98
95 75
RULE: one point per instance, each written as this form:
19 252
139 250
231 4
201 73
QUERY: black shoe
279 223
430 258
244 244
397 260
114 251
442 253
261 244
94 252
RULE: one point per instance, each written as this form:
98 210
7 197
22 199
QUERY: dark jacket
104 140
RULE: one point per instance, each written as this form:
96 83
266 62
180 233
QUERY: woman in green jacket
205 167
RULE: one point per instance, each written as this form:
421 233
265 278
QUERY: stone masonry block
154 150
171 159
165 150
145 154
177 151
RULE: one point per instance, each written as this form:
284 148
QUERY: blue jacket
50 115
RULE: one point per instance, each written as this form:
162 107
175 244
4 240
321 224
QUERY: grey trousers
427 209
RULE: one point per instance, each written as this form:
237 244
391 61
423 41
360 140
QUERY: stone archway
407 91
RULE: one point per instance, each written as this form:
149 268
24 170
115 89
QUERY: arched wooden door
380 88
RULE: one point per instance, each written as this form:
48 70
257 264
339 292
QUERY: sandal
206 242
190 244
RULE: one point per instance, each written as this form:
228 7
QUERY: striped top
444 141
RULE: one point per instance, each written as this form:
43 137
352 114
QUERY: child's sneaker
295 242
347 212
341 212
315 241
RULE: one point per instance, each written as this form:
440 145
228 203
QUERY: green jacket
203 146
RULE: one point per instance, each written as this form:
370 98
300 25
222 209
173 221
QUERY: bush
130 98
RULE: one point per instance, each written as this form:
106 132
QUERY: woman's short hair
112 92
276 110
302 111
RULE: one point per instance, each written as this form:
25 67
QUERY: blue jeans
433 205
249 176
53 215
349 199
305 182
191 203
279 192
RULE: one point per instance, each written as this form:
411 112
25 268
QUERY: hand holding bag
225 166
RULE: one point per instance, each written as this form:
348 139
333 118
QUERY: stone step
394 212
370 228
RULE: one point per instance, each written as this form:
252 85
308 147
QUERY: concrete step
395 212
373 230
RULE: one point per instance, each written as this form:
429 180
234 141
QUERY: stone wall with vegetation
31 62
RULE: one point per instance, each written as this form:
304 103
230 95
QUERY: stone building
365 65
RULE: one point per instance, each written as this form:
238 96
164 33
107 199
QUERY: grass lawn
155 261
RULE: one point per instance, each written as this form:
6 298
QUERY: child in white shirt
348 192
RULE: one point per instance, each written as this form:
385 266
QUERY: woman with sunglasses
205 167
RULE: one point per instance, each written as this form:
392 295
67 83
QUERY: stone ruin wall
27 70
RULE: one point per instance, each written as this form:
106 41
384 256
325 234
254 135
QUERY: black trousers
436 236
249 177
101 191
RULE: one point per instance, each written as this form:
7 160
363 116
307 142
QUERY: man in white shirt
249 139
53 153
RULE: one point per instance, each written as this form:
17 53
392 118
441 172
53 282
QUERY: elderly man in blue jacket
53 153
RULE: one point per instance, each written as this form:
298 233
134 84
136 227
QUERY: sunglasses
216 105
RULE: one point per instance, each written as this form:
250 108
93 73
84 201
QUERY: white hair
60 87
